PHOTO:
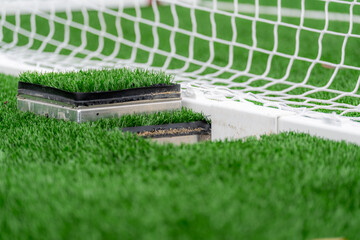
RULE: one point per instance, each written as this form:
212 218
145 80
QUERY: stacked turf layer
98 80
146 119
63 180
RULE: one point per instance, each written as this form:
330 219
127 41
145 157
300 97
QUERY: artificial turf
95 80
63 180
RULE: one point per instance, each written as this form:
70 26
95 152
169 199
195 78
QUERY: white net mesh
295 55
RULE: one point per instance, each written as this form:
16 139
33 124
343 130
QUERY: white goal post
255 66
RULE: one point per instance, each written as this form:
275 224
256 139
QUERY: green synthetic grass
98 80
63 180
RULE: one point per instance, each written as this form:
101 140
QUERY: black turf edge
206 129
95 98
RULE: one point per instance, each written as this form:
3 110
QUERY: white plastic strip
13 67
26 6
285 12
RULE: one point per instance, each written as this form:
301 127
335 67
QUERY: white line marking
285 12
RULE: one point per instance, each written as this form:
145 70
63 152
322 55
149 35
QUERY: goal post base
234 120
329 129
13 67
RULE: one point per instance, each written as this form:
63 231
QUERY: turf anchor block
176 133
81 107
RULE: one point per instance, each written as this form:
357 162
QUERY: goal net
302 56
